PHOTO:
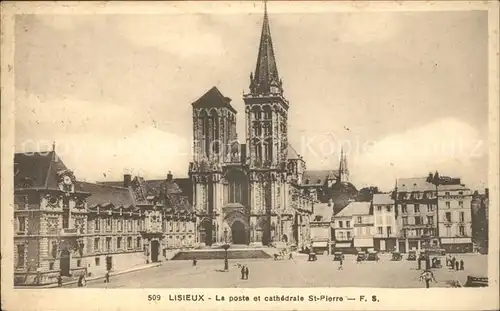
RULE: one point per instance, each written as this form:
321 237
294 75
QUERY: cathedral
257 192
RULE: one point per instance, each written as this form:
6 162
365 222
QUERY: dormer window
307 181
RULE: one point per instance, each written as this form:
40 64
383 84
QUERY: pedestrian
461 264
194 262
457 265
106 277
80 281
246 272
341 262
427 276
59 280
290 256
419 263
242 272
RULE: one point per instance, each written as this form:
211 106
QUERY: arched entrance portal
238 233
155 250
206 232
65 262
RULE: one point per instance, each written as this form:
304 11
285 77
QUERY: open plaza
296 272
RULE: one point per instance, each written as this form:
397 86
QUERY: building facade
384 216
416 204
68 227
455 216
353 228
362 218
248 193
50 220
322 240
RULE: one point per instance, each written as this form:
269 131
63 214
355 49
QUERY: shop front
363 244
457 245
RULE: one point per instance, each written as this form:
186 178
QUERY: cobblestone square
297 272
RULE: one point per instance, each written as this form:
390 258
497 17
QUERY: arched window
268 149
256 113
215 132
237 187
258 149
204 132
267 113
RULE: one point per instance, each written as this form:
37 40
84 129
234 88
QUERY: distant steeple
266 79
343 170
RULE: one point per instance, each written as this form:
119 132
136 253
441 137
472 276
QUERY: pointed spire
266 79
343 170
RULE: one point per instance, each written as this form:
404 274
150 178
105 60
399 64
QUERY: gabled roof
355 208
186 186
37 170
291 153
104 195
323 211
414 184
383 199
318 177
213 99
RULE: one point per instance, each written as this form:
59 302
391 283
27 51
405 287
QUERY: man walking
461 264
59 280
106 277
341 262
246 273
242 272
428 276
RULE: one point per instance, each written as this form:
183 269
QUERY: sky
404 93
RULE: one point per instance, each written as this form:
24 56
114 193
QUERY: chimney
127 178
170 177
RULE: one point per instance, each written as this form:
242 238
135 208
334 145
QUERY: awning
342 245
320 244
456 240
366 242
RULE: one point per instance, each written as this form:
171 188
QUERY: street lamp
225 247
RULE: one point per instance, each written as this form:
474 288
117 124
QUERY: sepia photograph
261 148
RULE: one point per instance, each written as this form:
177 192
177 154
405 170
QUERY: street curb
92 278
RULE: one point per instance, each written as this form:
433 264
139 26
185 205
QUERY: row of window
388 230
121 224
460 231
417 220
179 226
121 244
388 219
447 217
418 232
363 231
417 209
388 208
344 235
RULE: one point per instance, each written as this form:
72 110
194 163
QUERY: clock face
67 180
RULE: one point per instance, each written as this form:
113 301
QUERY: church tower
266 113
266 108
214 135
343 170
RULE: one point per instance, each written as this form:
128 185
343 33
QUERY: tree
366 194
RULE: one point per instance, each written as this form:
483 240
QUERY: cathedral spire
343 170
266 79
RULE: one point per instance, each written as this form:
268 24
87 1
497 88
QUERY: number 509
154 297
